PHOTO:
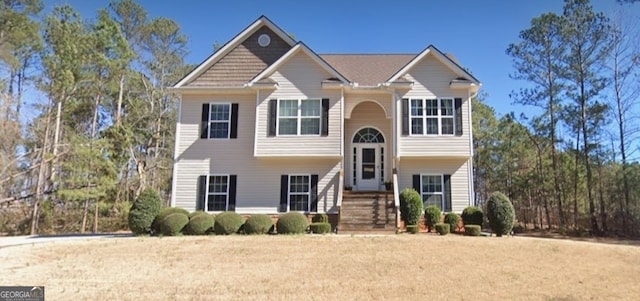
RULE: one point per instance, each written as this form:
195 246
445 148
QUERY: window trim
228 121
441 193
308 193
206 200
299 118
439 117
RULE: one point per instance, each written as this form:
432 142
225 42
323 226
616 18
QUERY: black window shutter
314 193
458 108
232 192
234 121
405 116
324 127
447 193
416 183
273 111
284 193
204 124
202 193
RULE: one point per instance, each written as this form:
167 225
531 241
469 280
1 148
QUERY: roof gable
447 61
241 49
299 48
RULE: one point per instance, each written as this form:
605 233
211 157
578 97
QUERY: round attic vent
264 40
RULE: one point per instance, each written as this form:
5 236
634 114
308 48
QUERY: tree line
572 164
88 123
85 112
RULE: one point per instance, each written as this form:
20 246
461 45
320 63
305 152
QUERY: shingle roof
367 69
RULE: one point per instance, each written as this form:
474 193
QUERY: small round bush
413 229
320 218
164 212
432 216
320 228
410 206
500 214
227 222
200 224
443 228
292 223
196 213
173 224
452 219
258 224
472 230
143 211
472 215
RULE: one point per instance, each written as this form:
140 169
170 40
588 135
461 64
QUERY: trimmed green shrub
432 215
164 212
443 228
410 206
472 215
292 223
227 222
196 213
143 211
258 224
172 224
200 224
472 230
413 229
320 228
500 214
320 218
452 219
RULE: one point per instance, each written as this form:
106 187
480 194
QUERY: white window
432 116
217 193
299 192
219 120
299 116
432 187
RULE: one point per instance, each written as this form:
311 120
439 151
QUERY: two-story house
266 125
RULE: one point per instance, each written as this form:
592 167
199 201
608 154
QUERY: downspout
341 173
174 184
472 199
255 133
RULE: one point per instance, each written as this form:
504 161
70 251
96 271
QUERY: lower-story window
434 189
217 193
299 192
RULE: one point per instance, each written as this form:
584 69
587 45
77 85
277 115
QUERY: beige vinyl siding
385 100
457 168
258 180
431 80
367 114
299 78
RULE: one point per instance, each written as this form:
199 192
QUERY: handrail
340 187
396 198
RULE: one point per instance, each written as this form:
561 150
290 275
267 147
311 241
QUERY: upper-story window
219 121
299 116
433 116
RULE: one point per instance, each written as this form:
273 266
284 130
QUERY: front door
368 167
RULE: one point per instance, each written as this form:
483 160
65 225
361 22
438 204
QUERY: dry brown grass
401 267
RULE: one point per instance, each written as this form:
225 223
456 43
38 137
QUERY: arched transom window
368 135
